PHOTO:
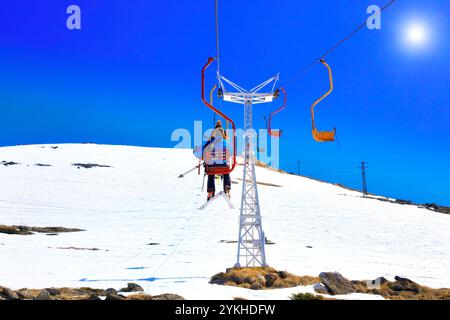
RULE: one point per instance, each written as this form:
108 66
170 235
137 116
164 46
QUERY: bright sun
416 34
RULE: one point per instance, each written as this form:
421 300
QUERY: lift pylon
251 241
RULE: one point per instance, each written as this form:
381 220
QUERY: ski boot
210 195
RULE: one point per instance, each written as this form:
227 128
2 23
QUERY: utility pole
298 165
264 117
364 182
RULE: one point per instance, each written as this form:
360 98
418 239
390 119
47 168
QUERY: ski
220 194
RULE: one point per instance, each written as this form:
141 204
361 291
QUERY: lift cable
322 57
217 35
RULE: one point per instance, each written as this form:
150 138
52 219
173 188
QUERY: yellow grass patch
261 278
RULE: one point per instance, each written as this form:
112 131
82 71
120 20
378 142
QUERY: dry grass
307 296
13 230
83 293
28 294
261 278
25 230
139 296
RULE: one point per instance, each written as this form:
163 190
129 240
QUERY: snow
141 200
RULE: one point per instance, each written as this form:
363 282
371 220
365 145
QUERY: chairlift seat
324 136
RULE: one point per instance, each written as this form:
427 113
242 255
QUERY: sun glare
416 34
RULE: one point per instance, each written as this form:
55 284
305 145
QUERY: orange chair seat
324 136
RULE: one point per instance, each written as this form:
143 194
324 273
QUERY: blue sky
131 75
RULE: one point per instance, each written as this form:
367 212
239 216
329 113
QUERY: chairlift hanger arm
211 94
225 170
330 77
271 132
323 136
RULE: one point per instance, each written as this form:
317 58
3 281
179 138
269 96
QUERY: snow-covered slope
140 201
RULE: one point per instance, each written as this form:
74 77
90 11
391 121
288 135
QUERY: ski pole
203 184
189 171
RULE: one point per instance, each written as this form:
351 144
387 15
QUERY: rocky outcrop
7 294
44 295
132 287
335 283
168 296
8 163
437 208
114 296
260 278
81 294
90 165
26 230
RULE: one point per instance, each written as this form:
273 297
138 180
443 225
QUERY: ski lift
216 162
323 136
220 96
211 94
277 133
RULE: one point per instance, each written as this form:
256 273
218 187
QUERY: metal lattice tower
251 241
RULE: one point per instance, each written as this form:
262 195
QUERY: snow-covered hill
145 223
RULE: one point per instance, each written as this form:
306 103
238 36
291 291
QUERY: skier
216 154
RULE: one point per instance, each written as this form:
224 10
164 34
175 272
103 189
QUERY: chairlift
215 158
323 136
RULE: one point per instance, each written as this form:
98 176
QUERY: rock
93 297
282 274
219 278
25 230
48 229
270 279
8 294
113 296
335 283
26 294
403 284
381 280
404 202
437 208
8 163
43 295
320 288
168 296
110 291
13 230
256 286
132 287
53 291
90 165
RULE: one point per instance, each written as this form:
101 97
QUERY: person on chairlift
216 154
